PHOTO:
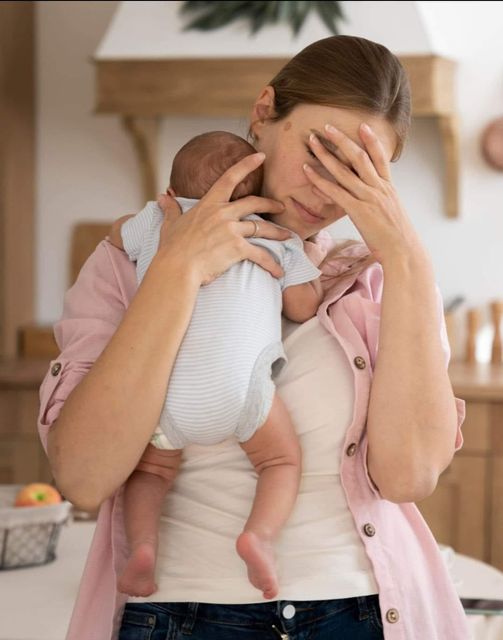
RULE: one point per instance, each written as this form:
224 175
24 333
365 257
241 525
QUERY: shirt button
56 368
369 530
392 615
288 611
360 362
351 450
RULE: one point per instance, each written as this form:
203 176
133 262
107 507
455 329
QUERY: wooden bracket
449 131
144 134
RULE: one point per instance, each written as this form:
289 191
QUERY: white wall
87 169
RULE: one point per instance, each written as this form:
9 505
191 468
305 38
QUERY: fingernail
364 127
313 138
260 155
307 168
331 129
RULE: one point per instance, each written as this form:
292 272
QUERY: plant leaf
298 14
216 14
330 13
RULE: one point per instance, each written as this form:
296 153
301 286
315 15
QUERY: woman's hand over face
365 191
211 237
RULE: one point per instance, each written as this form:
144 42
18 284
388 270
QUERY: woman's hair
350 73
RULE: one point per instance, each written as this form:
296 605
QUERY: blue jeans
345 619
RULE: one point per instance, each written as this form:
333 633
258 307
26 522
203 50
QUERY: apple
37 494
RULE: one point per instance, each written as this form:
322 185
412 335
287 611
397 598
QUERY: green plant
213 15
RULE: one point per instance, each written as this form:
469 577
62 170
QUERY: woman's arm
108 418
412 417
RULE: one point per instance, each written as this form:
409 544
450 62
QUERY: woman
377 426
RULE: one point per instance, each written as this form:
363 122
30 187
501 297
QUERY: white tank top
319 553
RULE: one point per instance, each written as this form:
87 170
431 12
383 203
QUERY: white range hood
142 30
148 67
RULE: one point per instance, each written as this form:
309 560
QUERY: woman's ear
263 109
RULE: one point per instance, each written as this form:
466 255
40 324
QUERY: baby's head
200 162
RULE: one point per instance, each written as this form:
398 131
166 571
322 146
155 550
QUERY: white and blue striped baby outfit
221 384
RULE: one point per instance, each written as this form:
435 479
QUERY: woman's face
285 144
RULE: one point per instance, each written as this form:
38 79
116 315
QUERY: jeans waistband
287 614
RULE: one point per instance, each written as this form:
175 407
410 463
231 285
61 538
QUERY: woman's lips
306 215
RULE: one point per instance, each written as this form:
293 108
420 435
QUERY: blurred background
95 99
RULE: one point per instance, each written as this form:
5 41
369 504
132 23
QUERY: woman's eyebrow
330 146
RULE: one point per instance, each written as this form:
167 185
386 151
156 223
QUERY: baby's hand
115 232
314 252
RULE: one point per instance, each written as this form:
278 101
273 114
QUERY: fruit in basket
37 494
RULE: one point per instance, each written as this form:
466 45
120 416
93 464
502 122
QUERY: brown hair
350 73
204 158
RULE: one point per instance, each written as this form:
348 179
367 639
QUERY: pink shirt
416 595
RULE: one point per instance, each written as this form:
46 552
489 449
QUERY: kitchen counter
36 603
479 381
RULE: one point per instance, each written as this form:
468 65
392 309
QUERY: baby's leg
144 494
274 451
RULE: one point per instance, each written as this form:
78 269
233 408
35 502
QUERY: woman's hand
365 191
211 237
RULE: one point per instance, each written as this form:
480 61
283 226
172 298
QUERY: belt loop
190 618
363 608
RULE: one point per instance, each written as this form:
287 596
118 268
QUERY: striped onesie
221 383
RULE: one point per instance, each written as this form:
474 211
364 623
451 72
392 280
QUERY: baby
221 384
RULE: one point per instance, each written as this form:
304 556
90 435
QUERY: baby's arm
115 236
301 301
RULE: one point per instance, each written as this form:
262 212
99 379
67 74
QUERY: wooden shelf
145 90
479 381
22 458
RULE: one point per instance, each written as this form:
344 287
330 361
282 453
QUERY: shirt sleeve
297 267
133 231
93 308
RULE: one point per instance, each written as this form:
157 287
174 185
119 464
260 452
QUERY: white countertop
36 603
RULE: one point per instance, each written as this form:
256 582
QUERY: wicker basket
28 535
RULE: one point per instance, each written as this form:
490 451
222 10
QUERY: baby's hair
204 158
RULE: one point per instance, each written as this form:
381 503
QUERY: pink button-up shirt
416 595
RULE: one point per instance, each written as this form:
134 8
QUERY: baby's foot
137 579
259 558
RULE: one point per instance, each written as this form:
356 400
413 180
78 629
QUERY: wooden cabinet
22 458
466 510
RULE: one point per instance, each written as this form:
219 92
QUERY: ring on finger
256 230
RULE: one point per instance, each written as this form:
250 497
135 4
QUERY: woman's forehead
309 118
